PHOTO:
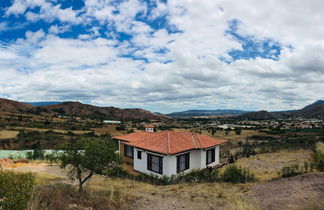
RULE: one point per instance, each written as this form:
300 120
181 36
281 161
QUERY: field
7 134
267 166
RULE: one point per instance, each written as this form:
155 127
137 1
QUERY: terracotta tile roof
169 142
149 126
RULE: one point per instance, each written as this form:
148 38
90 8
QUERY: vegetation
292 170
88 156
36 154
16 190
319 157
236 174
64 196
232 174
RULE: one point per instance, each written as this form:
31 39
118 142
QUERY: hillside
14 106
90 111
77 109
196 113
310 111
313 110
261 115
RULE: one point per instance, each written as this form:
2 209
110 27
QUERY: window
128 151
154 163
139 155
210 156
182 162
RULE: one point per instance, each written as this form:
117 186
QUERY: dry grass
78 132
266 166
320 147
6 134
108 129
232 137
189 196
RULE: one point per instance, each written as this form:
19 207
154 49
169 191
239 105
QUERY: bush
238 131
196 176
36 154
319 160
237 174
15 190
292 170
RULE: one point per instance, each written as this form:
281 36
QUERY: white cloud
187 74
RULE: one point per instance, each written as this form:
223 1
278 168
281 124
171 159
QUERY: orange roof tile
169 142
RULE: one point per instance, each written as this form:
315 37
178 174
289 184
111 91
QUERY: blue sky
162 55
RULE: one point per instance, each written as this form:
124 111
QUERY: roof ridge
193 140
198 139
169 143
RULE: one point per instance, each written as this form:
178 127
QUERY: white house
149 128
169 152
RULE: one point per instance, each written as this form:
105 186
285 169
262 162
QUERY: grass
7 134
267 166
78 132
320 147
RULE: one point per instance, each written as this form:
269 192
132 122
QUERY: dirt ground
300 192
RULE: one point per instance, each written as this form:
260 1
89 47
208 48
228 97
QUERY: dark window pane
155 163
182 162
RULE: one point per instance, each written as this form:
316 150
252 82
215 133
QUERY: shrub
36 154
15 189
238 131
292 170
237 174
319 160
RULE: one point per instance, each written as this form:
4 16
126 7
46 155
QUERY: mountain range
78 109
313 110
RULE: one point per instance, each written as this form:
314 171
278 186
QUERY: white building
169 152
149 128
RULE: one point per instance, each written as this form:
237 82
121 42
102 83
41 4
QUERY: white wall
197 161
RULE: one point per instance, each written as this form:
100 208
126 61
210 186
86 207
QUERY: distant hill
196 113
313 110
43 103
261 115
90 111
14 106
77 109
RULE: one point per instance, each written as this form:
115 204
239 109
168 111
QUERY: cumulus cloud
174 55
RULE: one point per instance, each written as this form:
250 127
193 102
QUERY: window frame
139 154
126 148
187 162
149 163
213 159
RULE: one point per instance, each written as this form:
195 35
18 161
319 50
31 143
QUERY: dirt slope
300 192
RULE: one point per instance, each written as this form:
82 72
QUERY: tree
238 131
88 156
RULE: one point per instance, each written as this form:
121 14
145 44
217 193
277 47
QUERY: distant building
149 128
111 122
